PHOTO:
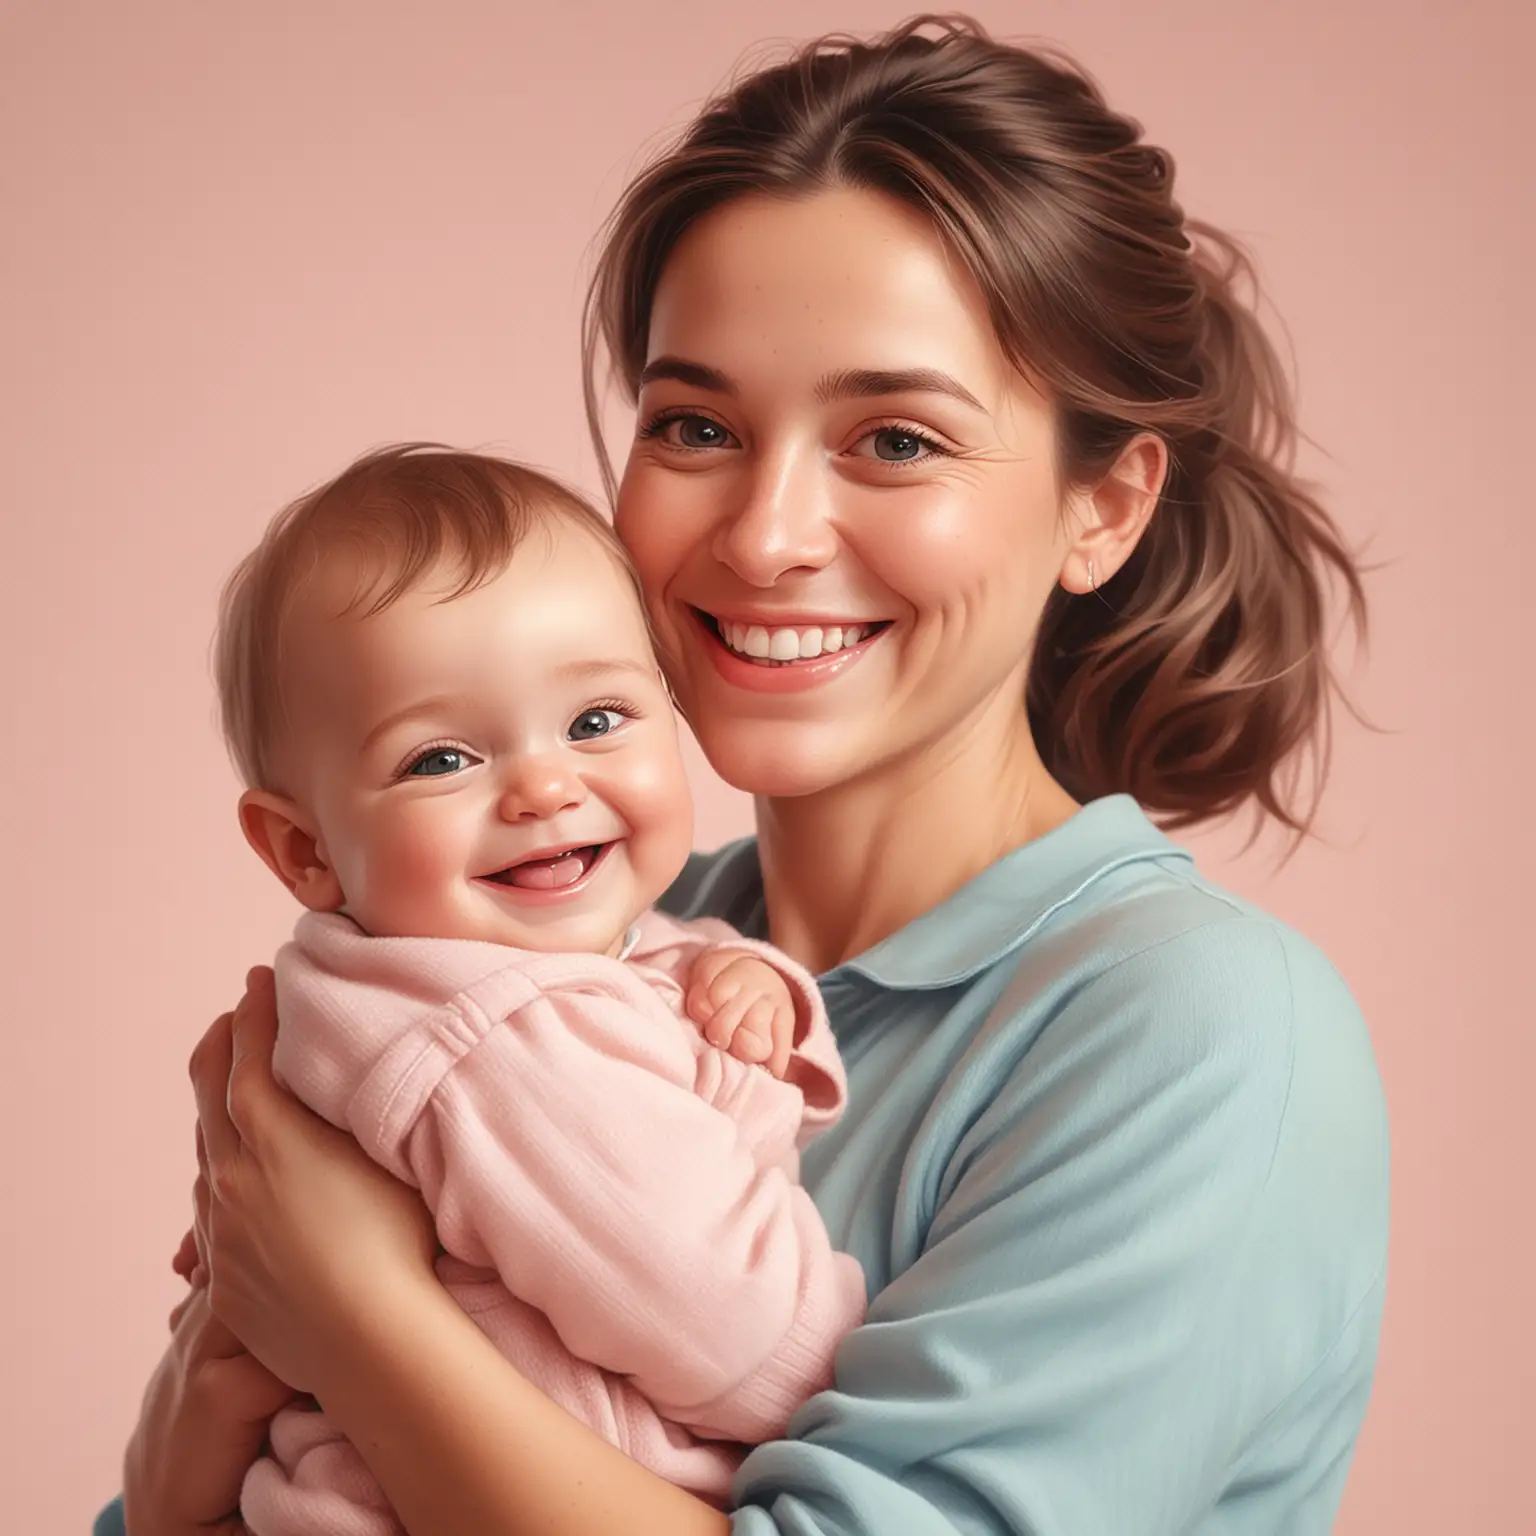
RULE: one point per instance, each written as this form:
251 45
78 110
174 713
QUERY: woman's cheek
965 544
662 517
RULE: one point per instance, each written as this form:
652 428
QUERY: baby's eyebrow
584 671
439 704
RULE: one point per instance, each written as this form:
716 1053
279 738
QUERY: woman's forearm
463 1445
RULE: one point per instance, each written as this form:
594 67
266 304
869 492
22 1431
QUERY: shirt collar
1009 901
992 914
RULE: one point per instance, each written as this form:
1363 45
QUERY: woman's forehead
842 280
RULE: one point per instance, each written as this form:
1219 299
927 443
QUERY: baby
438 683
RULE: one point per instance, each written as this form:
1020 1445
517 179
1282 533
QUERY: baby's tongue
548 874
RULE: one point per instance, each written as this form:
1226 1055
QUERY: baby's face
502 765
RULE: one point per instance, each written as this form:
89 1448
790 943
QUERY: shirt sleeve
1162 1233
549 1114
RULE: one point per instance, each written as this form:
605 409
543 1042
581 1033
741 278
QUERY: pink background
239 244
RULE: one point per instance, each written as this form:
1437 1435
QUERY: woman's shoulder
1168 969
1211 1037
1217 971
1164 1081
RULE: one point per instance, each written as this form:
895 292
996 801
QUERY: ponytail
1199 676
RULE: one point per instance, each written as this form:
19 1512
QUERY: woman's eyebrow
845 384
858 383
685 372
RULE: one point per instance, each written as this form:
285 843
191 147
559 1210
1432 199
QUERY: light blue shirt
1115 1163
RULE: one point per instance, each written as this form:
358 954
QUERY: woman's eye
438 762
592 723
691 432
898 445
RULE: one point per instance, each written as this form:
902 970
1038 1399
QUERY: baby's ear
285 837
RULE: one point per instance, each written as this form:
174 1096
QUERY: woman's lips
786 643
780 674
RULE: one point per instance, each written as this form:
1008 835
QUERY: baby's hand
743 1006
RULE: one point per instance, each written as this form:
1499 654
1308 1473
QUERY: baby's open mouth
549 872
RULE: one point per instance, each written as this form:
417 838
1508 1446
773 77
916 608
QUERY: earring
1093 583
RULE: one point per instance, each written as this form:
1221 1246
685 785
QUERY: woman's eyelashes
889 444
687 431
896 443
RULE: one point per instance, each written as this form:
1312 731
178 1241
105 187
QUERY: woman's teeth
791 644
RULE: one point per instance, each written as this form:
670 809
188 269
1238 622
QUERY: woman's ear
285 837
1109 518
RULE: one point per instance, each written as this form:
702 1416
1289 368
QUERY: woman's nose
783 524
539 788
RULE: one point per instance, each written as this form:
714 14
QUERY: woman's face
841 498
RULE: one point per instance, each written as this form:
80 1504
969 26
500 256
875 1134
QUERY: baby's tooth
756 642
831 640
785 645
810 643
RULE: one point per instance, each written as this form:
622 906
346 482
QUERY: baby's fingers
700 1003
749 1046
723 1024
754 1039
727 984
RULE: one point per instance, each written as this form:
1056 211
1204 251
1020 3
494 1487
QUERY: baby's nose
541 788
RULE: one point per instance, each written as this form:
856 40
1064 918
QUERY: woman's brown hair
1198 677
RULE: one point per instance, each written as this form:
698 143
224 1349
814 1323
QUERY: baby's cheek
412 862
659 812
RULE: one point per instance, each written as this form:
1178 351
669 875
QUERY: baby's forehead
560 589
356 573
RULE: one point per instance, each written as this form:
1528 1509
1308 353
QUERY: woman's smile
786 642
785 658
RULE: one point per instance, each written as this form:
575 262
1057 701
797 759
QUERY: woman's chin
777 761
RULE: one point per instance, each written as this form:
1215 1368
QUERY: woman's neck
849 866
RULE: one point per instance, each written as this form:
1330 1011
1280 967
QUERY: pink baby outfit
618 1200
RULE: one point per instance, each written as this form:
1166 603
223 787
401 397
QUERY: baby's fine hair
400 513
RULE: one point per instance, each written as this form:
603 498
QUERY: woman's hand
202 1424
304 1238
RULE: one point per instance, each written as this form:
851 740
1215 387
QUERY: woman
923 355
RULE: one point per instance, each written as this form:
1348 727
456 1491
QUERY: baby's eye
591 723
438 762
